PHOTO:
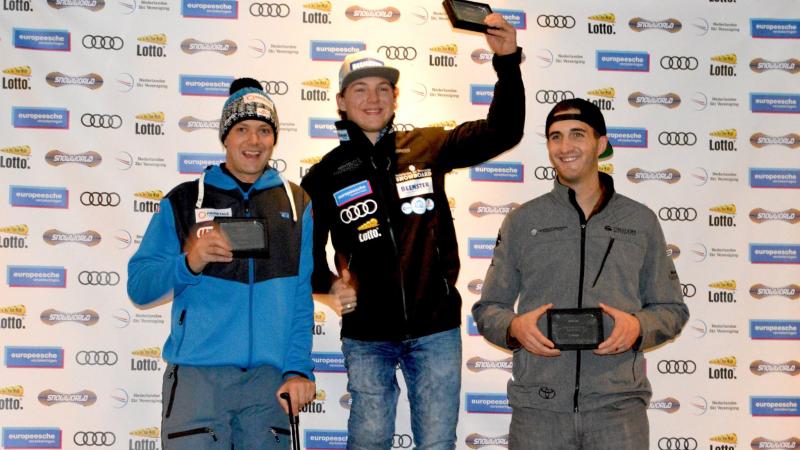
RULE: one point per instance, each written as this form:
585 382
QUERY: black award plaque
467 15
575 329
246 235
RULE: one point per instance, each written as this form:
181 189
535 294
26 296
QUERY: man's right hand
524 329
209 247
344 294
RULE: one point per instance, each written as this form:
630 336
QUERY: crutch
294 422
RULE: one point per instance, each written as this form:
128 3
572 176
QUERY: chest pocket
548 243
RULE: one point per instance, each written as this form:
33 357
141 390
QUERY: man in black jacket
381 196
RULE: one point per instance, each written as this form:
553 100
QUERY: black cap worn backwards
588 113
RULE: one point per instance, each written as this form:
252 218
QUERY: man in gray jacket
582 245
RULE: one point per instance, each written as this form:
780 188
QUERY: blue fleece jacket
247 313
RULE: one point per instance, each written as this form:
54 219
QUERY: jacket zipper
173 374
193 431
181 319
250 283
391 236
441 266
603 264
583 222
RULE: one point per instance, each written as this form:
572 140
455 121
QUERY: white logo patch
415 188
205 214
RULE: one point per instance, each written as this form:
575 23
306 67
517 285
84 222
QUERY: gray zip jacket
547 252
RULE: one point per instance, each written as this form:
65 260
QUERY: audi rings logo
270 9
676 367
96 358
398 53
678 214
679 62
689 290
677 443
544 173
358 211
278 164
550 21
553 97
100 199
677 138
94 438
402 441
275 87
98 278
102 42
402 127
101 121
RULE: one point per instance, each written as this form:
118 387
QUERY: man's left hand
501 36
626 330
301 391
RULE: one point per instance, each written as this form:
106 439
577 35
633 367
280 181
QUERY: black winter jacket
389 218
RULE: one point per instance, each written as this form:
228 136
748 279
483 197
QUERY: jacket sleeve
663 312
298 353
495 309
157 271
474 142
322 278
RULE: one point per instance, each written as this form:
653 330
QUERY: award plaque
246 235
575 329
467 15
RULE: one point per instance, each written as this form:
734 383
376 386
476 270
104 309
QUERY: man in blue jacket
241 322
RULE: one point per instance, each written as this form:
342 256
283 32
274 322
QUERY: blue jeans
431 366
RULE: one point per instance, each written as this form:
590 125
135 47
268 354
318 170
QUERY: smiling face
574 149
248 148
369 102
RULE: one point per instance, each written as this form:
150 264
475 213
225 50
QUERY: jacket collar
567 194
351 134
217 178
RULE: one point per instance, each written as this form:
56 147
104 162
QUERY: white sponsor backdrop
117 68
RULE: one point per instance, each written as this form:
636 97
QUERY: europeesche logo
325 439
210 9
774 178
515 17
38 197
627 137
775 28
481 94
36 276
763 102
775 329
205 85
623 61
334 50
775 253
189 163
34 357
328 362
511 172
322 128
50 118
481 248
487 403
41 39
775 406
31 437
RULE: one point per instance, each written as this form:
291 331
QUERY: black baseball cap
589 114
